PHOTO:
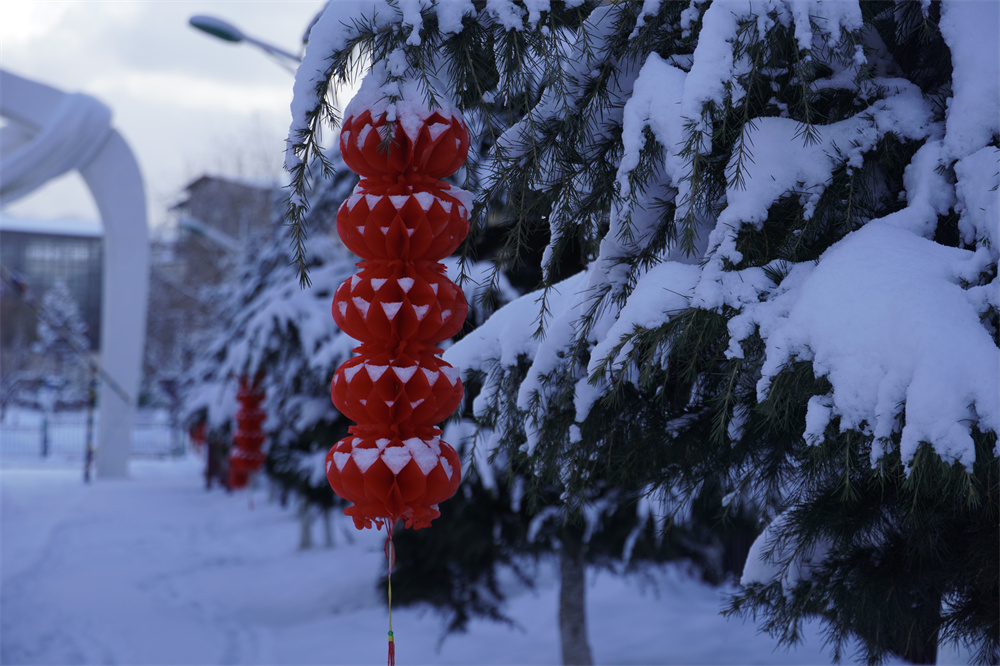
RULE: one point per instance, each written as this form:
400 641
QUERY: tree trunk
305 526
920 639
914 638
327 528
572 601
922 651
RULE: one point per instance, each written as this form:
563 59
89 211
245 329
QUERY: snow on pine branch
505 340
679 100
890 318
715 66
972 119
977 181
331 35
351 32
338 27
670 103
783 163
884 316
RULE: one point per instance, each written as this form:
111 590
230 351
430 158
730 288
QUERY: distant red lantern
197 434
402 220
246 456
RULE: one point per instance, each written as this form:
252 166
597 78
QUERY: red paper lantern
402 220
402 391
198 435
435 148
391 478
419 221
391 303
246 456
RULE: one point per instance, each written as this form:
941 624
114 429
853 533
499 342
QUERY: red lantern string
246 456
390 555
401 219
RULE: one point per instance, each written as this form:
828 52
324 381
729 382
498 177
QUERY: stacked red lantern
402 219
197 433
246 456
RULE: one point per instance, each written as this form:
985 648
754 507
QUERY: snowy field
155 570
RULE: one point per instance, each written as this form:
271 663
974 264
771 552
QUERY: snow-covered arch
49 133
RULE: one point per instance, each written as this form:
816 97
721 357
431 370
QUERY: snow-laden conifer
63 345
786 215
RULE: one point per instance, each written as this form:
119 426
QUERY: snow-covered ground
155 570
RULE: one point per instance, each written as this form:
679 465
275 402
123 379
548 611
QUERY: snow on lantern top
431 141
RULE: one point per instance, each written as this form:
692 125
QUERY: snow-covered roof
61 226
262 183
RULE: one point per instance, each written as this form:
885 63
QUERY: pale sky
186 102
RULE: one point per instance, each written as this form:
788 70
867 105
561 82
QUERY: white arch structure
49 133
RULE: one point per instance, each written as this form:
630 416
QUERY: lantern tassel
390 553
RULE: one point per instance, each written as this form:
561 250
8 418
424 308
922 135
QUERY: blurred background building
215 216
42 253
214 221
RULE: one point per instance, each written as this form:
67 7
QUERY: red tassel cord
390 553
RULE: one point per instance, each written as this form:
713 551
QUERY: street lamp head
217 28
230 33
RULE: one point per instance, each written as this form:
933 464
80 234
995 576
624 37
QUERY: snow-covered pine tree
306 422
271 327
788 215
487 530
62 342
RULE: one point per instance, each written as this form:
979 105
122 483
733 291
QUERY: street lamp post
228 32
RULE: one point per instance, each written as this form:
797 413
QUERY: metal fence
31 434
